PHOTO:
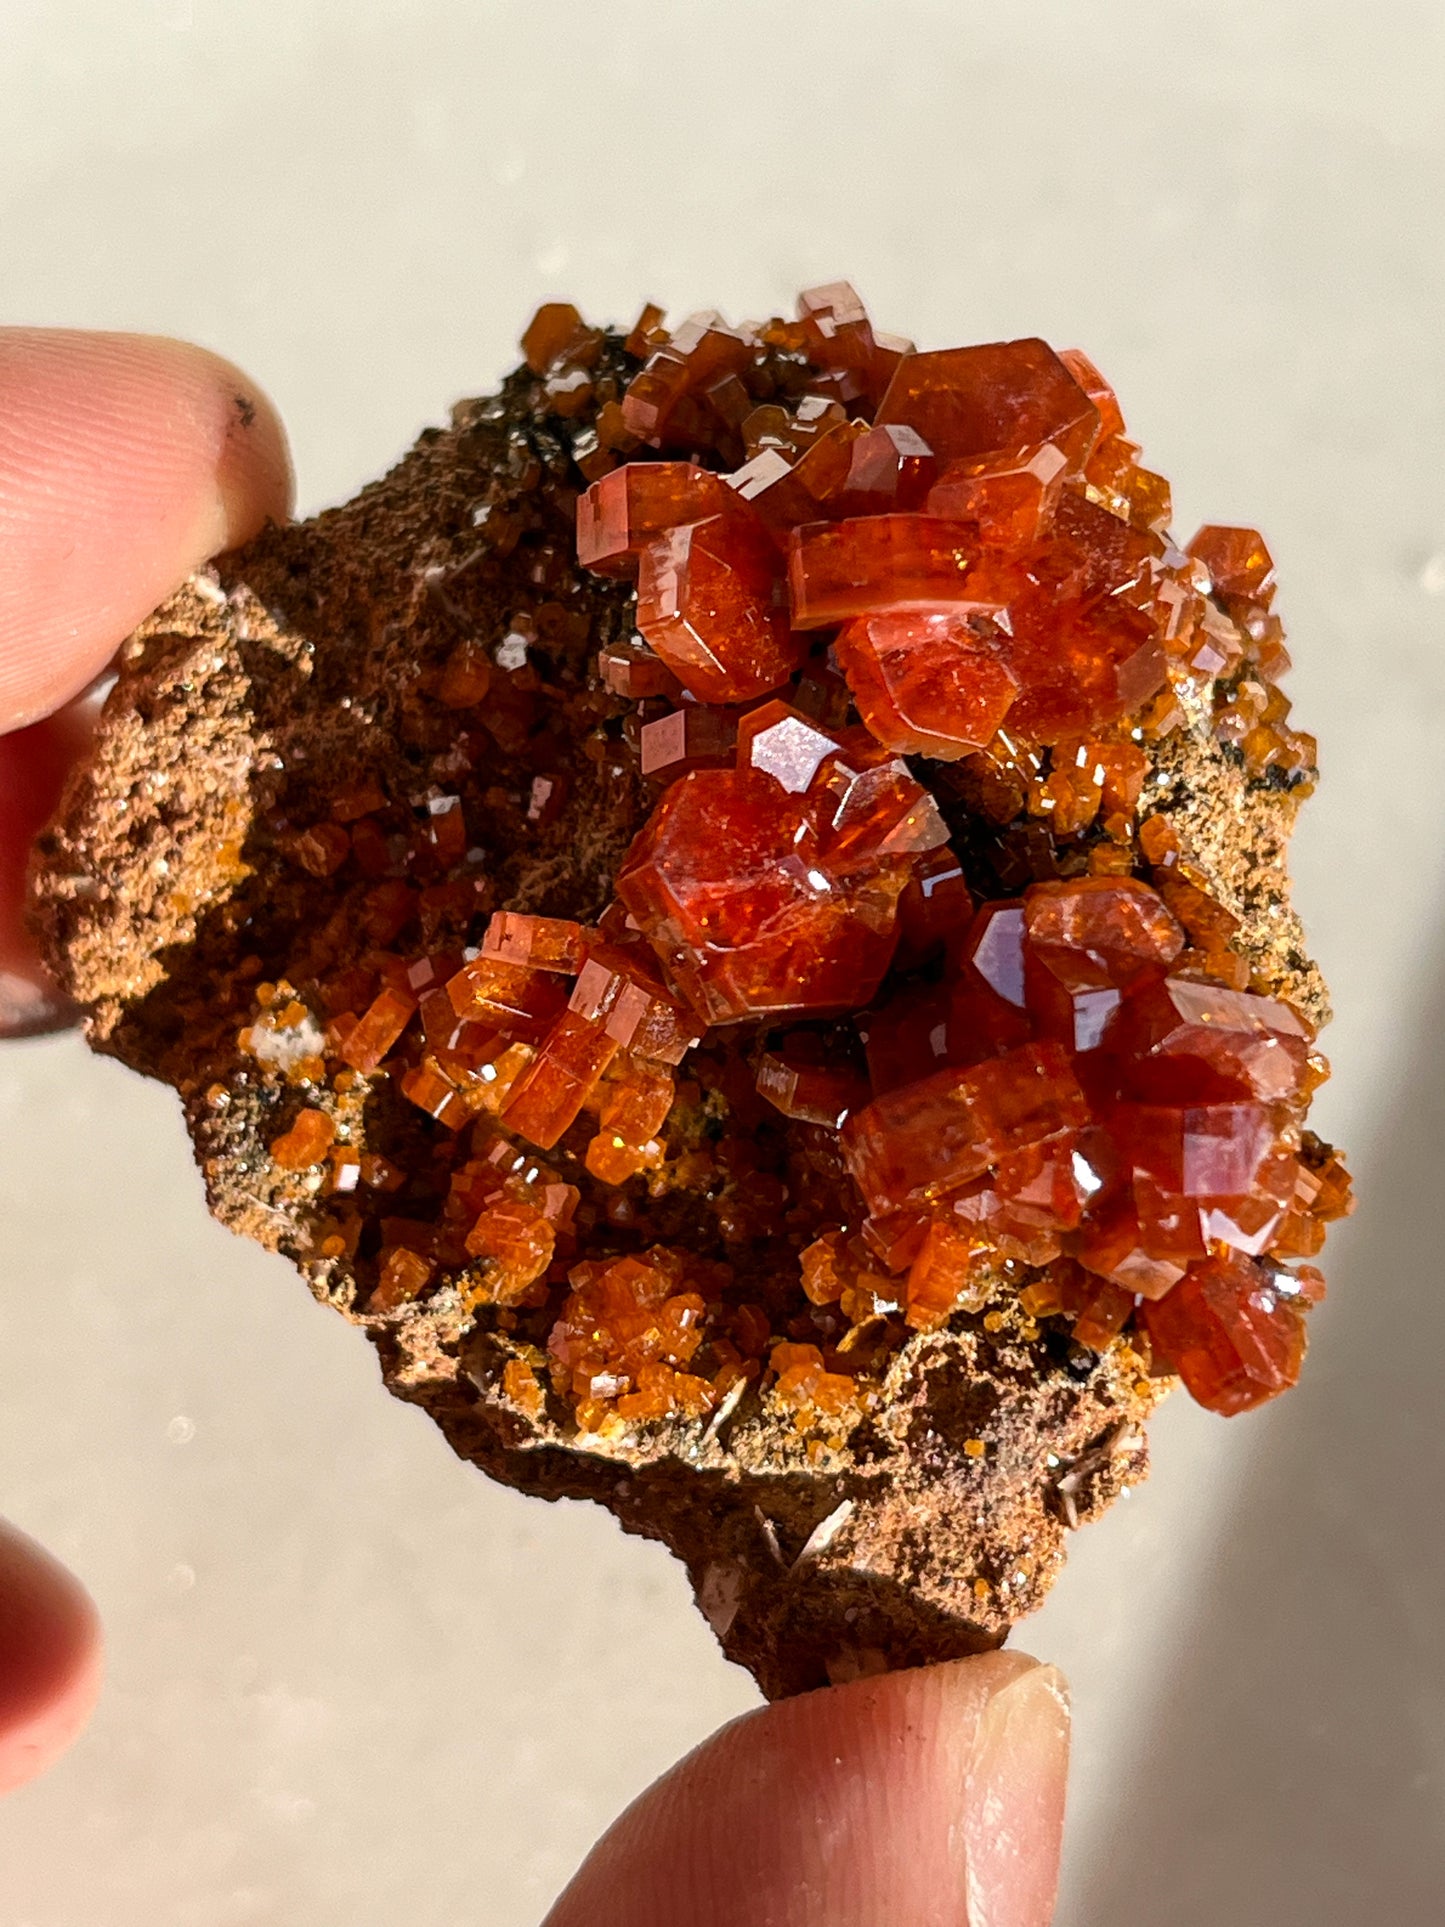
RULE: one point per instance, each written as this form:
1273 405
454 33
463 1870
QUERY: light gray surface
351 1683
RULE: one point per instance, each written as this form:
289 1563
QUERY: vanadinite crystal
909 976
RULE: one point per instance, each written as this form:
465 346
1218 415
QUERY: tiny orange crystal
306 1143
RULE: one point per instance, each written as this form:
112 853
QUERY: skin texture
923 1799
931 1798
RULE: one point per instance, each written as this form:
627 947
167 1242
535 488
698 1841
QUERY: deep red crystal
876 564
925 683
759 900
625 510
1001 395
1234 1337
710 602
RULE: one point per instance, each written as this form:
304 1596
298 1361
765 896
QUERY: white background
351 1683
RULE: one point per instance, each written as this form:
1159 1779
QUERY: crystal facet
709 601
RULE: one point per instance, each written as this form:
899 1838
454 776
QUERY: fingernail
1014 1802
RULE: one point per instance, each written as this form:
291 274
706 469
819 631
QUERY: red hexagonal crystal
869 810
876 563
840 339
1240 566
536 943
1012 496
1002 395
1079 665
693 736
889 468
810 1092
1101 1307
625 510
554 330
924 683
1242 1044
1230 1332
1091 552
631 670
667 403
1098 933
564 1074
1117 1247
368 1040
510 997
709 600
1096 388
620 990
760 899
917 1144
722 884
776 490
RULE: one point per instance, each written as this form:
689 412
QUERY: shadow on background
1296 1769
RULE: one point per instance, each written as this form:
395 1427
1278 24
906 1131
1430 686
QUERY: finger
125 461
33 766
50 1659
931 1798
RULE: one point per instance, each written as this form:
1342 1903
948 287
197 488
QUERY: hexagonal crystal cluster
910 634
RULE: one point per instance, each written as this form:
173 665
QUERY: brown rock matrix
730 912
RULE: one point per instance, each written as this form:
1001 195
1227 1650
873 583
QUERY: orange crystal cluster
629 1329
985 549
773 887
1081 1103
893 609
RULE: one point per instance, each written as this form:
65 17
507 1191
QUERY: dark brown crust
162 893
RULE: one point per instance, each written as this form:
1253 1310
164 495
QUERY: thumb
930 1798
125 461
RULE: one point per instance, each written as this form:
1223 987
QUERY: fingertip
928 1796
255 477
50 1659
125 462
1014 1793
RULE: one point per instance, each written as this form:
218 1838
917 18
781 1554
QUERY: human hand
931 1798
124 463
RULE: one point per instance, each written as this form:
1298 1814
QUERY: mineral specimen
731 913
